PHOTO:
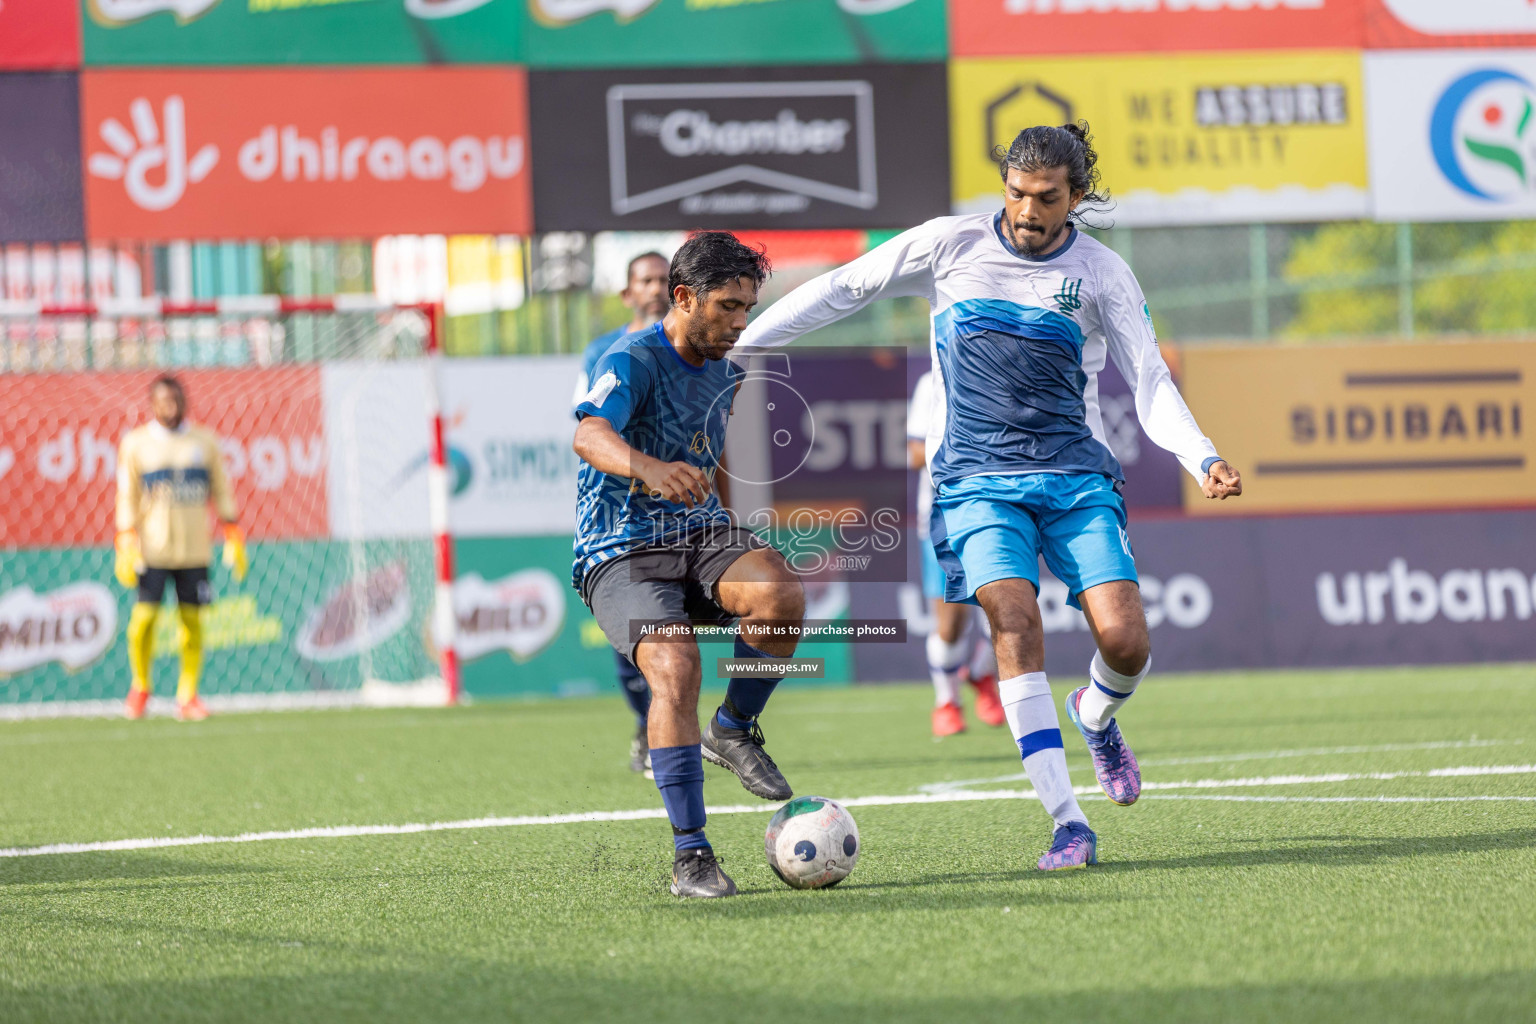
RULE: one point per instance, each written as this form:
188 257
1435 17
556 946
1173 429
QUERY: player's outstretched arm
902 266
1161 410
601 447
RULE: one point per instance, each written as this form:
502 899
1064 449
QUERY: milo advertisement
151 32
681 33
310 617
523 630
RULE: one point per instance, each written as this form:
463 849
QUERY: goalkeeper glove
234 552
129 559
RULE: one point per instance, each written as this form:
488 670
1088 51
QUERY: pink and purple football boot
1113 762
1073 846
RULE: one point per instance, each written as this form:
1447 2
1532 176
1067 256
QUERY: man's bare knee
1125 647
673 669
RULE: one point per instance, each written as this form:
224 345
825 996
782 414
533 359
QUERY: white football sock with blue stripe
1107 690
1037 730
945 660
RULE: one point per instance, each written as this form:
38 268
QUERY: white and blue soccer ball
812 843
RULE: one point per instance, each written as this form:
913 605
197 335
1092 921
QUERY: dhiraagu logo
1483 134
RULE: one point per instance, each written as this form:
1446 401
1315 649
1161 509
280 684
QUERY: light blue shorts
989 528
933 576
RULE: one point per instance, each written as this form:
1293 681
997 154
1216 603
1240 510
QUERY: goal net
313 402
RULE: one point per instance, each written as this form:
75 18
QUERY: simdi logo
116 13
154 164
1482 135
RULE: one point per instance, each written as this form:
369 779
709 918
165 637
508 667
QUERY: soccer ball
812 843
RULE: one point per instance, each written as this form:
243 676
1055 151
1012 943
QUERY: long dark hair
1070 146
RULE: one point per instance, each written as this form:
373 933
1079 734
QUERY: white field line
648 813
1262 755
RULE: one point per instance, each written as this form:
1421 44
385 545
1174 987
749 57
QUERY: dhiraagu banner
676 33
150 32
1186 139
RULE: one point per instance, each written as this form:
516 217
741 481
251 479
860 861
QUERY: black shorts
192 586
662 584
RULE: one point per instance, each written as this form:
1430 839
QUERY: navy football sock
636 690
746 697
679 773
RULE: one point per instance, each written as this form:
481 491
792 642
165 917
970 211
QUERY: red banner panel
38 35
59 434
241 154
1008 28
1413 24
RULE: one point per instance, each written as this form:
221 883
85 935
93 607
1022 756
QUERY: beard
1032 248
697 338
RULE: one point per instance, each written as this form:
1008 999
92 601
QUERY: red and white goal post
329 416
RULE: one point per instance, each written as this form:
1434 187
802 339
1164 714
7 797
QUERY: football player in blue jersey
656 551
1026 308
645 294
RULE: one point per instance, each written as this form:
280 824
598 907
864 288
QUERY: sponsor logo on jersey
1482 134
602 389
1068 299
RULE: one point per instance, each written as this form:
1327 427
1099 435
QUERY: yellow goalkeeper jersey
165 479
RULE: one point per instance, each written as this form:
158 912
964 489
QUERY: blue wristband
1205 467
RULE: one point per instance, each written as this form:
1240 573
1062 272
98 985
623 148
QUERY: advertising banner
238 154
39 34
780 147
1197 139
149 32
1420 24
58 449
40 195
1431 588
513 472
1008 27
617 33
1368 426
309 617
522 629
1451 135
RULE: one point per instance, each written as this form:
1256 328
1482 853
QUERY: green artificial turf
1201 910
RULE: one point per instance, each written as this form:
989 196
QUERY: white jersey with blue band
1018 342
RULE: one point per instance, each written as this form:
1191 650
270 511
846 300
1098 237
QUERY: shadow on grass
469 991
57 870
1336 851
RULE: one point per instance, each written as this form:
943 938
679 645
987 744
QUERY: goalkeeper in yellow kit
167 472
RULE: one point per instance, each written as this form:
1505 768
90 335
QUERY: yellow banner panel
1182 139
1316 428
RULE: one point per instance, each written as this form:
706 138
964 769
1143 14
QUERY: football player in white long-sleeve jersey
1026 309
